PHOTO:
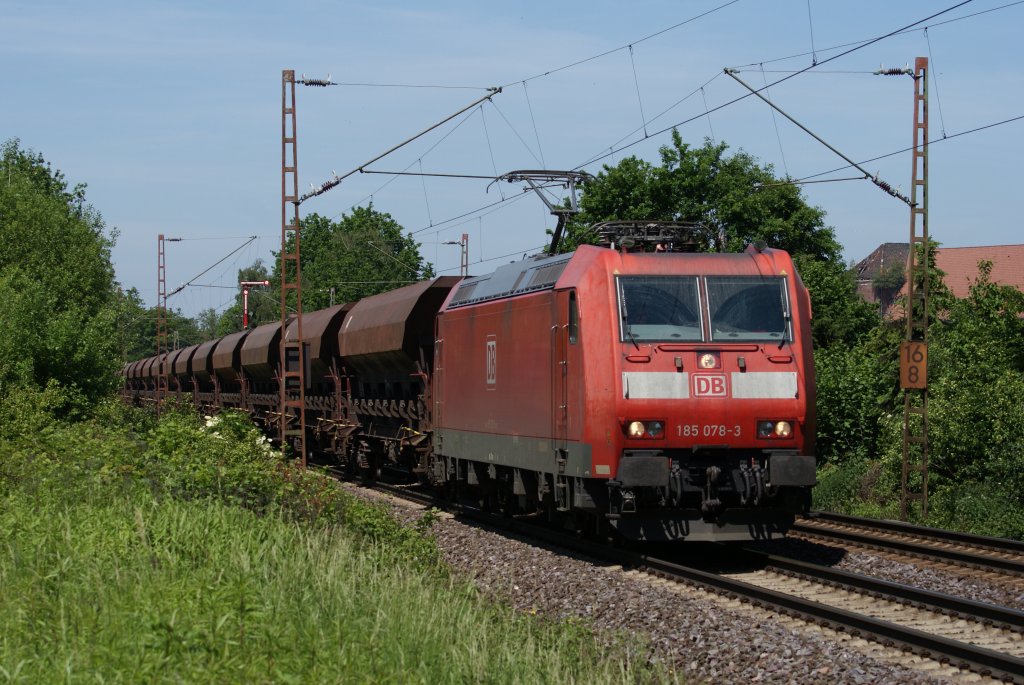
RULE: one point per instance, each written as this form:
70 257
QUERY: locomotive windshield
653 308
748 308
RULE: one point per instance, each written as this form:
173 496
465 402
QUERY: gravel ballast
702 637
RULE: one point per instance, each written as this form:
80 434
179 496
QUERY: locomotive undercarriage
709 494
690 496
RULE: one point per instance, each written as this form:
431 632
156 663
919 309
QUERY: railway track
984 554
957 633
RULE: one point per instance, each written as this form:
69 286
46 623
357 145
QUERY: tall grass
106 577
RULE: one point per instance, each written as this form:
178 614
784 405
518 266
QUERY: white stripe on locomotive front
673 385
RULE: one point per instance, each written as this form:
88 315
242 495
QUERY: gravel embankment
700 636
703 637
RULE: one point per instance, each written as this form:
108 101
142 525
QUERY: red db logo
709 386
492 360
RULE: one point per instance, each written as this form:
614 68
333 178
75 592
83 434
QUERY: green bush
848 403
977 508
858 487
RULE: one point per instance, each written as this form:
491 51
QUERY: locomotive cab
713 402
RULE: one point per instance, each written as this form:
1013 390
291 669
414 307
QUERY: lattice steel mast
293 369
914 350
161 323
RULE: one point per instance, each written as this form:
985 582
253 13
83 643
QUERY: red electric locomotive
668 394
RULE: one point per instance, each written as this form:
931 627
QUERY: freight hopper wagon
668 395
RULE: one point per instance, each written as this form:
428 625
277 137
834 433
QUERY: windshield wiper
632 336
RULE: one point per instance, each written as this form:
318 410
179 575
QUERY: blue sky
170 111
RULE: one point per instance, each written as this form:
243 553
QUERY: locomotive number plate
707 430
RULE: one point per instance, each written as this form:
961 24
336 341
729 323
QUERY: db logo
492 360
709 386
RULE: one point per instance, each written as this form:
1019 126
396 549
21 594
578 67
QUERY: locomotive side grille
465 293
511 280
546 276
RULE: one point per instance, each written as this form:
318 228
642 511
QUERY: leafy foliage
264 302
976 410
137 327
736 200
362 254
57 285
841 316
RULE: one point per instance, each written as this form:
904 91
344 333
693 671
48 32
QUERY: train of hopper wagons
659 393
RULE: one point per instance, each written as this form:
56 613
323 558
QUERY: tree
362 254
137 328
57 286
733 198
841 316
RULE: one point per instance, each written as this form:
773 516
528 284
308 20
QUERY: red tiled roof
961 266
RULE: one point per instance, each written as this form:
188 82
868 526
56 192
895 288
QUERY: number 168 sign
913 365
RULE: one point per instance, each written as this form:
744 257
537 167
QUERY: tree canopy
137 328
734 199
361 254
59 313
264 302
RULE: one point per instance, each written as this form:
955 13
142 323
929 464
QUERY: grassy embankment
134 552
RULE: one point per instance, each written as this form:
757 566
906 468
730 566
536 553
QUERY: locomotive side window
574 319
659 308
748 308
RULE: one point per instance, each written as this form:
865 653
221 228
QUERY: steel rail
987 662
1002 617
976 559
964 655
939 534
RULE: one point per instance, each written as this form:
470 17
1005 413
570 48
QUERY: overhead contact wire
513 129
639 100
211 268
775 123
908 149
784 78
934 73
810 22
490 148
623 47
536 134
857 42
429 150
665 111
426 199
710 127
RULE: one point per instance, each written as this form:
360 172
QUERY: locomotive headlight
707 361
774 430
645 430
